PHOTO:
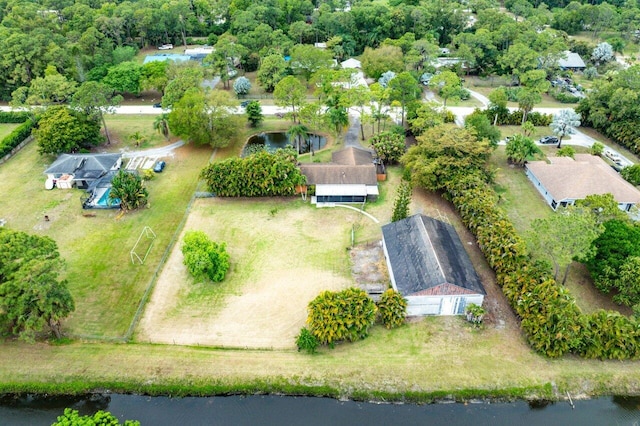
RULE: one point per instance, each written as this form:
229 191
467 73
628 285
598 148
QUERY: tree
182 78
448 85
520 148
402 201
385 58
526 100
602 53
498 104
62 130
479 122
205 259
51 89
307 59
426 116
631 174
603 206
385 78
241 86
566 151
519 59
161 125
125 77
289 92
564 123
343 315
32 296
153 75
392 309
358 97
205 117
272 70
73 418
254 113
389 146
379 104
628 283
404 88
129 188
565 235
298 132
96 100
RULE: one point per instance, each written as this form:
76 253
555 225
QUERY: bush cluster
13 116
564 97
550 319
16 137
514 118
205 258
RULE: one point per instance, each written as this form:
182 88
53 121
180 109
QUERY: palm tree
298 132
137 138
564 123
161 124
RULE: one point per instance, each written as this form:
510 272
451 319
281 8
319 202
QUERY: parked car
613 157
244 104
158 105
549 140
165 47
159 166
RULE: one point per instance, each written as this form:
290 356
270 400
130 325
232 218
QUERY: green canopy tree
272 70
307 59
254 113
205 258
96 100
448 85
125 77
404 88
389 146
32 296
521 148
565 235
181 78
63 130
290 93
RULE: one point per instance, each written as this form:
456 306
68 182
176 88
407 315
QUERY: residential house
80 170
571 61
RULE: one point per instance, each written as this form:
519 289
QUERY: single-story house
429 267
571 61
351 177
98 194
564 180
80 170
351 63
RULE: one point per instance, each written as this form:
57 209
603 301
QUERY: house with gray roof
564 180
429 266
571 61
350 177
80 170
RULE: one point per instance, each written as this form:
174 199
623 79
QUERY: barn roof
566 178
89 166
427 258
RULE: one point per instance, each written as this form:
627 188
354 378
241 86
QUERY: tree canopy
63 130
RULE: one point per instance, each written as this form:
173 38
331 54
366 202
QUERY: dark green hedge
550 319
13 116
14 138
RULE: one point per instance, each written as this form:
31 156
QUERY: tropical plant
137 138
564 123
389 146
205 259
392 309
306 341
344 315
298 133
475 314
631 174
566 151
597 148
129 188
161 125
254 113
521 148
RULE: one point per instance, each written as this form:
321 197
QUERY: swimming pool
105 201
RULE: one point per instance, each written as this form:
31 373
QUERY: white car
613 157
166 47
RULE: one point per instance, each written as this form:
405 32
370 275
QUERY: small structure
351 63
198 53
571 61
429 267
98 194
564 180
163 57
349 178
80 170
320 45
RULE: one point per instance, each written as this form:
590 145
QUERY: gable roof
571 60
352 156
83 166
331 174
351 63
427 258
566 178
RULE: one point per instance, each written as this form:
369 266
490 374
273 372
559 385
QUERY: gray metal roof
352 157
427 257
571 60
83 166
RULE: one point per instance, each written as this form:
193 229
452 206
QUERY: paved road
155 152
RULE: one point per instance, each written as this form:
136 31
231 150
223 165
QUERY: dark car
549 140
158 105
244 104
159 166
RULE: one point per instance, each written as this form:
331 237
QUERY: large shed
429 267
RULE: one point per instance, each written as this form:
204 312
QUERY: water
282 410
105 201
276 140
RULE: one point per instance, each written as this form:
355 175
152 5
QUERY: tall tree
307 59
32 296
272 70
402 201
565 235
448 85
298 132
526 101
96 100
377 61
125 77
290 93
62 130
254 113
404 88
564 123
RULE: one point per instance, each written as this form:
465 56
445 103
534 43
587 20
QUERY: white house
429 267
351 63
564 180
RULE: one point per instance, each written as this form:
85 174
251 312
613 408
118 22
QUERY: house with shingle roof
80 170
429 266
563 180
571 61
350 177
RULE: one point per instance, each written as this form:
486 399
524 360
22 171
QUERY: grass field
6 128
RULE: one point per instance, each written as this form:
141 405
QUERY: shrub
306 341
475 314
449 116
631 174
564 97
16 137
597 148
566 151
203 257
241 86
392 309
344 315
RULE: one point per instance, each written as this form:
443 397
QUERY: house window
554 204
563 204
461 304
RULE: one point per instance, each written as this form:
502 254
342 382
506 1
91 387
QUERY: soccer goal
143 245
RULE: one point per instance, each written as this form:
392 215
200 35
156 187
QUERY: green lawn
6 128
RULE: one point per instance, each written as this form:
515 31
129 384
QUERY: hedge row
550 319
16 137
13 116
514 118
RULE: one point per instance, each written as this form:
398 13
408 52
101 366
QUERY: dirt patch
263 301
369 268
